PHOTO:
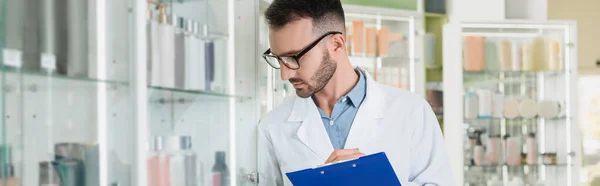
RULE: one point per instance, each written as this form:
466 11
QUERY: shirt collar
357 94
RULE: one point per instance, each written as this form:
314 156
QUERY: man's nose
286 73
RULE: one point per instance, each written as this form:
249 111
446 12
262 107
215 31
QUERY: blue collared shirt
344 111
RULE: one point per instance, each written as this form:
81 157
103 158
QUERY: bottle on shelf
532 151
494 151
166 47
491 55
358 40
209 59
183 165
195 78
497 105
371 37
516 54
430 50
484 106
220 171
554 56
158 164
471 105
180 51
473 52
478 152
153 64
383 41
513 151
505 55
48 174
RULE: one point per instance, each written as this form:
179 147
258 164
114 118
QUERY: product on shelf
430 49
48 174
220 171
371 37
6 166
92 164
182 162
532 52
471 105
77 42
513 151
478 154
554 56
494 151
491 55
358 37
511 108
516 53
194 58
404 77
551 109
69 151
532 151
152 50
180 51
348 41
484 103
435 97
473 53
158 164
210 68
383 41
398 46
528 108
498 105
70 171
166 47
505 54
549 158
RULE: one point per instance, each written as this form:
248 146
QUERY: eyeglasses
291 61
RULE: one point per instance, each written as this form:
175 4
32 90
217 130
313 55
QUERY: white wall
527 9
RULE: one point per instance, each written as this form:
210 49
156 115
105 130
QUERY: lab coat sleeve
268 166
429 157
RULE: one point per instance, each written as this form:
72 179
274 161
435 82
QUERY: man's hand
344 154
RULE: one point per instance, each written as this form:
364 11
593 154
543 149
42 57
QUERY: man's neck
342 82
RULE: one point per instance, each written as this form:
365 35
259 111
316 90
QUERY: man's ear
338 42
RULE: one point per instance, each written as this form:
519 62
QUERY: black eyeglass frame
297 56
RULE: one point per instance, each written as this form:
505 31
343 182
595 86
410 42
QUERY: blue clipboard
368 170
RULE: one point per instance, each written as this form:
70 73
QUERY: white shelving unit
466 41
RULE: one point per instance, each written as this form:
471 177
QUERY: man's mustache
295 80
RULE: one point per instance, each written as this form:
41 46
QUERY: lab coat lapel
311 132
367 121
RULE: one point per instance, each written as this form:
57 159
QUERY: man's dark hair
327 15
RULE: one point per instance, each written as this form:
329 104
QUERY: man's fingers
348 157
341 152
344 154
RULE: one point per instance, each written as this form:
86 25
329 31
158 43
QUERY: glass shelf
64 81
518 166
198 92
515 119
475 78
62 77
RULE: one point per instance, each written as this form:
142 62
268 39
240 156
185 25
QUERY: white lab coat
401 124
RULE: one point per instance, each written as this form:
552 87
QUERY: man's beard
319 79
